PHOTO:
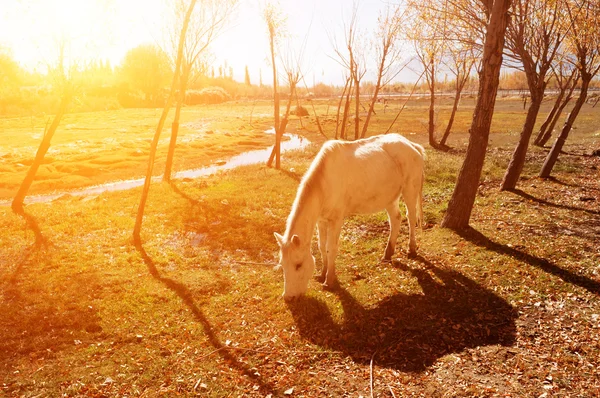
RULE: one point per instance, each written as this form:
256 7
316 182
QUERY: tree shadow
32 223
36 320
229 223
472 235
178 191
410 332
39 243
292 174
544 202
188 299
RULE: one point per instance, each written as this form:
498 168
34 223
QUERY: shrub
208 95
300 111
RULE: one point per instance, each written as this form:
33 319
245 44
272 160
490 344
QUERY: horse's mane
311 183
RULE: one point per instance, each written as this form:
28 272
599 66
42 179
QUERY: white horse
363 176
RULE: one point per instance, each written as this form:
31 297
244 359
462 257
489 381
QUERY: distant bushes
208 95
300 111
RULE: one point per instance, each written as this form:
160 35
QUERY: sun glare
89 30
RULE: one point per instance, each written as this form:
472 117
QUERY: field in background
100 147
508 308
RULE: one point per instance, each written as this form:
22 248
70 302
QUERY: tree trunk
374 99
17 203
463 198
550 128
431 129
346 111
140 215
549 118
284 121
515 167
564 134
337 121
357 107
451 121
277 147
175 125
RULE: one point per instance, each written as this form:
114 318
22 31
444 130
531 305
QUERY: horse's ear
279 239
296 240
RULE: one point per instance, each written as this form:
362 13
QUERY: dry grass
508 308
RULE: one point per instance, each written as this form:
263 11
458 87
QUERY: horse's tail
420 202
421 151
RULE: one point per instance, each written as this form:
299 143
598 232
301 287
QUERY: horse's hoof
331 286
386 259
412 254
320 278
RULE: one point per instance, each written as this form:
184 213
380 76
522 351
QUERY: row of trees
542 38
547 40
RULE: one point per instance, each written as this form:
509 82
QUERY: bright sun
90 29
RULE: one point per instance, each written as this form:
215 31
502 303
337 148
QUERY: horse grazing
363 176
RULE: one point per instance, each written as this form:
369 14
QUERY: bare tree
352 58
388 52
154 144
64 85
205 23
459 61
275 25
341 125
584 41
567 78
292 66
533 40
463 198
428 32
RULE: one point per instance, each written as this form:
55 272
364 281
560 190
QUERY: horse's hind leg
410 199
322 231
394 219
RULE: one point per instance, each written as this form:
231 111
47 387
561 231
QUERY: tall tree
161 122
207 20
351 56
275 25
247 76
428 32
584 40
460 60
533 40
64 86
146 69
388 52
463 198
292 66
567 77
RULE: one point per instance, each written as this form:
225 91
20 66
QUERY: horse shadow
410 332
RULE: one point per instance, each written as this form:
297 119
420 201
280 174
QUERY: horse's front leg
322 232
333 235
394 218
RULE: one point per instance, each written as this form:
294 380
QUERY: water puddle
243 159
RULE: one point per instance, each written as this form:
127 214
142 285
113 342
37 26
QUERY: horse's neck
304 216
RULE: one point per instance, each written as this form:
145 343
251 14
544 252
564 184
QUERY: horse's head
298 265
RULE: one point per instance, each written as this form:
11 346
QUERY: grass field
508 308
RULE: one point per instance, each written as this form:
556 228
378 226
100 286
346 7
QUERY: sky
107 29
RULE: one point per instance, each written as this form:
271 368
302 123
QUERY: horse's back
367 175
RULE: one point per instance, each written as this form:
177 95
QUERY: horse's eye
298 266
